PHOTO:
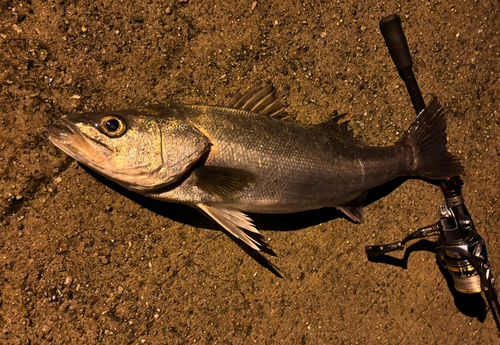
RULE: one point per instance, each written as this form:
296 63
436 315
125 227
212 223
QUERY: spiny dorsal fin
221 181
261 99
335 126
234 221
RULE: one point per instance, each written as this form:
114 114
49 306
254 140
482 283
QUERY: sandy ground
85 262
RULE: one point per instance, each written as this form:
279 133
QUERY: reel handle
374 251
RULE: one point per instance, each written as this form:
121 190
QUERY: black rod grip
395 39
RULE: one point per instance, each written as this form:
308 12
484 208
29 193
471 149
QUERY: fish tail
425 140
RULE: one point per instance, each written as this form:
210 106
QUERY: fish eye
113 125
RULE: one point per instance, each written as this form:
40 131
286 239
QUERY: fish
249 156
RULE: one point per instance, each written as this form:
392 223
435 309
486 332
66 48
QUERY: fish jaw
68 137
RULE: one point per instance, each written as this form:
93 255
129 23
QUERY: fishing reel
460 249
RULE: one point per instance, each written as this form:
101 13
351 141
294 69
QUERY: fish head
138 149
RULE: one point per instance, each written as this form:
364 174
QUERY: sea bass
247 157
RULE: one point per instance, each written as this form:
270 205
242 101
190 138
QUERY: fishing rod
460 249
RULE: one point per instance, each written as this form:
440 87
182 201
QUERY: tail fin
427 139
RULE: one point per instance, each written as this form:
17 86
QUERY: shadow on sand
276 222
471 305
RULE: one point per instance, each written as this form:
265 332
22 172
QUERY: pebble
63 248
104 260
17 28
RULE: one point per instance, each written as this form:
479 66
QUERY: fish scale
297 167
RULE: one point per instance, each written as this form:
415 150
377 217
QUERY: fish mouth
67 136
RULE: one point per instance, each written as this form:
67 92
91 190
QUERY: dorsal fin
335 126
260 99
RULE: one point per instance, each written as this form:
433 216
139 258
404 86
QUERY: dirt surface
85 262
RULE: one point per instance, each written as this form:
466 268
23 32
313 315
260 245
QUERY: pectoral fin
221 181
234 221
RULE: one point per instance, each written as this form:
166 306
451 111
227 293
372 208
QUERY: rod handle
395 39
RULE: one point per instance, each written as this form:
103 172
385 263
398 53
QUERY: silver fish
246 157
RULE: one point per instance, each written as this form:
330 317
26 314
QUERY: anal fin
355 213
233 221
